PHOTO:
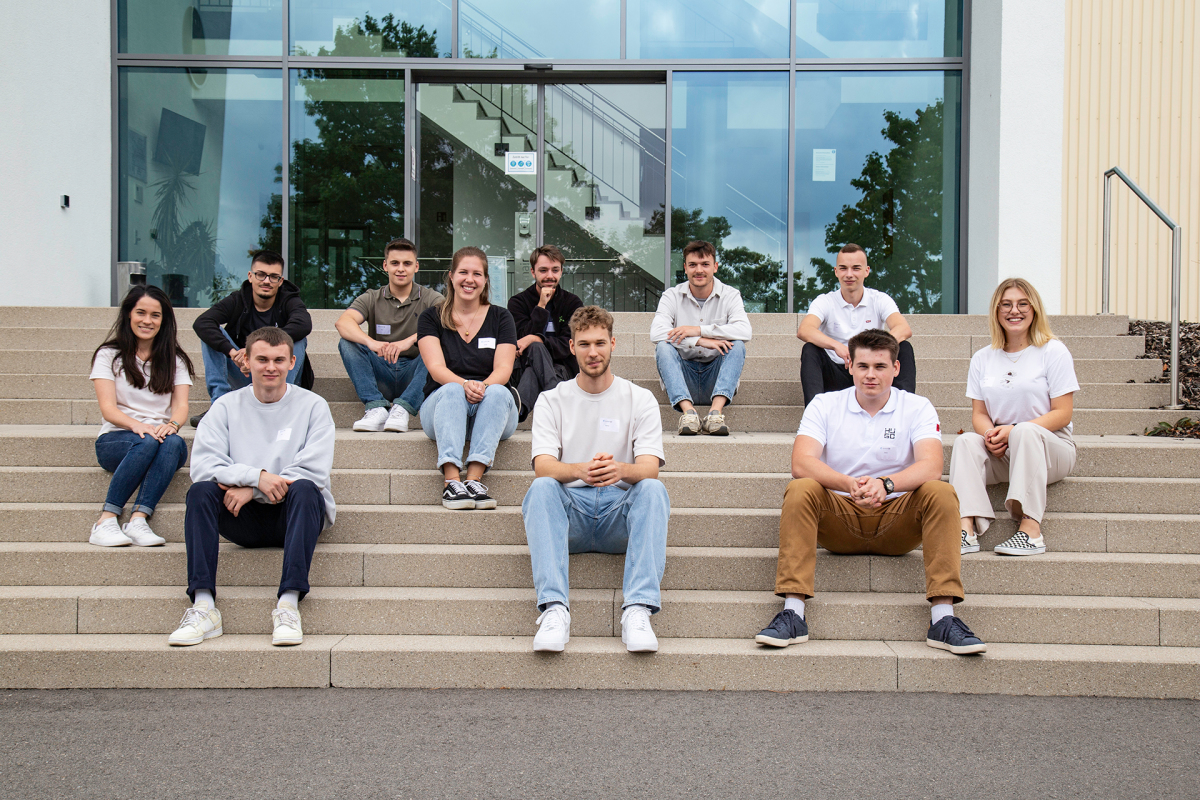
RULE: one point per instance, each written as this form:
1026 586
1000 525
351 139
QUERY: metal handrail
1176 274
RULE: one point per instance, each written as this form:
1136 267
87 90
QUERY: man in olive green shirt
383 363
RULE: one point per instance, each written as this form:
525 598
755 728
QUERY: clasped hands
390 351
159 432
677 335
275 487
996 440
474 390
602 470
867 492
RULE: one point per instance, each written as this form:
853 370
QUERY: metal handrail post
1105 290
1176 283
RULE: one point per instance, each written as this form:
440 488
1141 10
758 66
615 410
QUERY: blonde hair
447 313
1039 329
590 317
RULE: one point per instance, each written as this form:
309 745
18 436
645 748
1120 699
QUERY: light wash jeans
222 376
377 383
559 521
699 381
448 419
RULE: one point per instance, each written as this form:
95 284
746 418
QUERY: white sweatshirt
240 437
723 316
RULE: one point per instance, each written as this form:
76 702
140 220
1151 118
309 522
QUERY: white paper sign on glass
520 163
824 165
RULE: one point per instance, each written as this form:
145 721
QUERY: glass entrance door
506 167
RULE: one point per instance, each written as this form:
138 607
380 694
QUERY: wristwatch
888 486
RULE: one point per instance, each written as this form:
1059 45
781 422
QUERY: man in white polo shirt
836 316
867 463
597 449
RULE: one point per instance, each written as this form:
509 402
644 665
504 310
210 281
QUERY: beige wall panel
1132 99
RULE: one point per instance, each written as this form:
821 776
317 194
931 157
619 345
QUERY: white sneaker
397 419
287 626
970 543
373 420
138 531
197 625
555 630
636 632
108 534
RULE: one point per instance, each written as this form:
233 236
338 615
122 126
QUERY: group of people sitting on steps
866 461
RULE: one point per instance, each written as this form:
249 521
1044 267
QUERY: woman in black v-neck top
468 345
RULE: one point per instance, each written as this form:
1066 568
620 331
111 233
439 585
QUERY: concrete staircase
409 594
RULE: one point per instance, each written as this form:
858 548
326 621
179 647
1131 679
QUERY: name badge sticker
487 342
383 330
609 425
284 435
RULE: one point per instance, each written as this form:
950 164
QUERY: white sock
941 610
204 598
289 598
794 604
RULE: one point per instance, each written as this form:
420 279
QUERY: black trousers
819 373
537 373
293 524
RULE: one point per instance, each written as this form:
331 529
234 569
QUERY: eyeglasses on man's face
261 276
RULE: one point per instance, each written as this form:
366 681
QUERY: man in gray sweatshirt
260 478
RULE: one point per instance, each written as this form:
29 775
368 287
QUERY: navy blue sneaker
952 634
788 627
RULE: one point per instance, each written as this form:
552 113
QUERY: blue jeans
699 381
133 459
377 383
559 521
222 376
449 420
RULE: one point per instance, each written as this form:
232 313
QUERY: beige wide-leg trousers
1035 459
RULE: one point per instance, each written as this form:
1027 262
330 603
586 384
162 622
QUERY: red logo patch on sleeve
939 427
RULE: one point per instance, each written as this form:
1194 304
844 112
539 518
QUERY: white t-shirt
1021 390
573 425
141 404
841 321
857 444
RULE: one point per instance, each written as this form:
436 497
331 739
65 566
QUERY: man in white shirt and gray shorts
597 449
836 316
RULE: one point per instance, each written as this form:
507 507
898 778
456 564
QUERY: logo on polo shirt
889 433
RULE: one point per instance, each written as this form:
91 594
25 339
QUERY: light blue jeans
222 376
699 381
560 521
448 419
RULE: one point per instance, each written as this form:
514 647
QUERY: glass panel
605 185
877 163
201 27
729 178
467 196
398 28
200 159
878 28
539 29
347 180
708 28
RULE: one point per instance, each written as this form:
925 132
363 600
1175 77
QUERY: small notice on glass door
520 163
824 165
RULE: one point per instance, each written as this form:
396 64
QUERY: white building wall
55 139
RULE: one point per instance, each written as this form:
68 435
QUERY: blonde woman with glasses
1021 389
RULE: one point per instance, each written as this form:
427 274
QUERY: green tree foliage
381 37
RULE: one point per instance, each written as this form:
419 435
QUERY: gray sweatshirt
239 437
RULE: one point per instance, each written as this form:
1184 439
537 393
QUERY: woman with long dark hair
142 377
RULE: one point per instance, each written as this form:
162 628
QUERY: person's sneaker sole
688 432
1005 551
646 648
971 548
286 642
963 650
771 641
459 505
550 648
366 428
128 542
395 429
214 633
485 505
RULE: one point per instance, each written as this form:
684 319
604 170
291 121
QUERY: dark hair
874 339
447 312
702 247
271 337
591 317
549 251
163 350
268 257
851 247
399 244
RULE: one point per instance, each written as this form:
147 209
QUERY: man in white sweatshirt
260 478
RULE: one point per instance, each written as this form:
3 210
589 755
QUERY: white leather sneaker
138 531
287 626
373 420
397 420
636 632
197 625
108 534
555 630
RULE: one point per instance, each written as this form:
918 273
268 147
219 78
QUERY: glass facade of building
618 130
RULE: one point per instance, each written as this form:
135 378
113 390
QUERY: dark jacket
288 313
532 320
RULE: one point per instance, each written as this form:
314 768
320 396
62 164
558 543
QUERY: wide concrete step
56 661
507 566
597 612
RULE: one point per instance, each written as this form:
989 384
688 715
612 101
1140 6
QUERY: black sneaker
196 420
456 497
479 494
788 627
952 634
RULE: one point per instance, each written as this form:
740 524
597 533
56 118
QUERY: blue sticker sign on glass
520 163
